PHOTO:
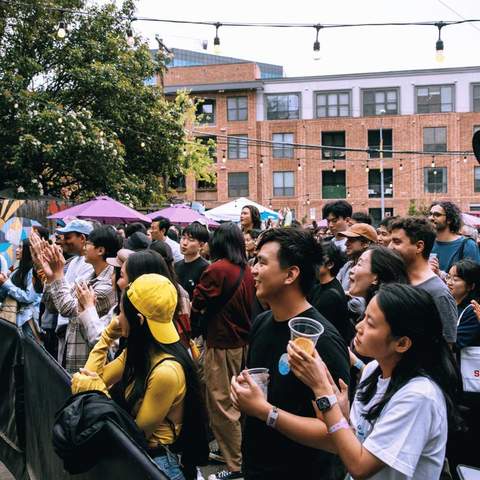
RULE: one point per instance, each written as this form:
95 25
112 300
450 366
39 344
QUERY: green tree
76 117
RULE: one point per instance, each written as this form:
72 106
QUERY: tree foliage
76 117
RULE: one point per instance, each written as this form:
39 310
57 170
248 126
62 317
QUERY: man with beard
449 246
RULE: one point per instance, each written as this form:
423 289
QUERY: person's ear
375 280
101 251
141 318
403 344
420 246
292 274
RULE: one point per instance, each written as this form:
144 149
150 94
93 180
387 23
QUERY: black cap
137 241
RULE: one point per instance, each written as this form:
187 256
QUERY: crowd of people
170 322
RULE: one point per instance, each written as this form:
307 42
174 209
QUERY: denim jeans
168 464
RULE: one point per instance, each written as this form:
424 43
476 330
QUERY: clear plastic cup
305 332
261 377
432 256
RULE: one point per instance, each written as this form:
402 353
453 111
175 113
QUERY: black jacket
79 436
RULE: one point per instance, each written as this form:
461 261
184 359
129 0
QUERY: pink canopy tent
182 215
471 220
104 209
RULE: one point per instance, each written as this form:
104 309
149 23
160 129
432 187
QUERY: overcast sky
342 50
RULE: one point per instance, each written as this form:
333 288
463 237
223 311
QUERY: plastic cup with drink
304 332
261 377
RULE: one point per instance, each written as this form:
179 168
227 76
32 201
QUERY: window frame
476 189
439 85
377 147
237 174
283 94
444 185
472 91
235 145
380 89
437 150
214 114
283 147
324 173
237 108
331 92
283 187
336 154
385 187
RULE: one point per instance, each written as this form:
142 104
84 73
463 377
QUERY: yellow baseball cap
155 297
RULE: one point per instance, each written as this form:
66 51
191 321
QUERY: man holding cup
278 428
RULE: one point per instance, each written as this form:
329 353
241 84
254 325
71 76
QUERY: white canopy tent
231 211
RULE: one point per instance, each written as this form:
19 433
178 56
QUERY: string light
308 199
261 161
62 30
299 166
367 168
401 165
439 55
216 40
316 44
270 203
464 159
130 37
348 193
334 168
433 162
224 158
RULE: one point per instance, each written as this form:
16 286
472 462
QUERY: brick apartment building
414 110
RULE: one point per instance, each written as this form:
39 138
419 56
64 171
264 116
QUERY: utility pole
382 178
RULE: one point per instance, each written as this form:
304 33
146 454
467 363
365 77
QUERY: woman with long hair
407 399
24 287
154 378
250 218
463 281
376 266
221 312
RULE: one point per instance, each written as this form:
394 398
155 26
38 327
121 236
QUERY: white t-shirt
410 435
341 244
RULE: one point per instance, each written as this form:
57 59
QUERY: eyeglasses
436 214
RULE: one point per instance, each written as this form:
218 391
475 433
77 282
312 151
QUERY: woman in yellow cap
154 378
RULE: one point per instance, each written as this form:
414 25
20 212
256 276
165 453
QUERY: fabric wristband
339 426
272 417
358 364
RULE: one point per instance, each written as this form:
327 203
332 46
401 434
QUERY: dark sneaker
216 455
225 475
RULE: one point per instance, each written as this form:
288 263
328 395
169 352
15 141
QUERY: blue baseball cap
77 226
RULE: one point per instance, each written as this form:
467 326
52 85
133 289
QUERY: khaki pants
220 366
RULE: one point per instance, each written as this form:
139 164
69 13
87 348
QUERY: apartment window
376 214
435 139
238 184
237 147
283 184
476 182
380 102
476 97
283 107
435 180
178 182
285 150
207 184
435 99
374 142
206 111
333 104
374 190
333 139
333 184
211 143
237 108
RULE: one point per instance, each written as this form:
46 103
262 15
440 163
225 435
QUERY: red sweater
228 325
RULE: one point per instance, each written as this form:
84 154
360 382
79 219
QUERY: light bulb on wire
334 168
316 44
130 37
401 166
433 162
464 159
216 40
439 47
62 30
224 158
299 166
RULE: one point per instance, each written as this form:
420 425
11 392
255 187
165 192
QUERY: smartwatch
326 403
